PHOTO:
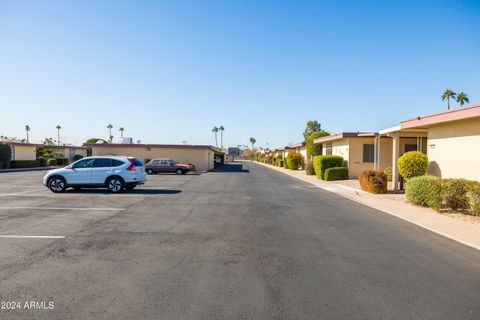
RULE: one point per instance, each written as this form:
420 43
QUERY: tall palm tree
27 129
121 132
58 133
215 130
447 95
252 141
462 98
110 127
221 129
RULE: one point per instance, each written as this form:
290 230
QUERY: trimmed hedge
294 160
62 161
16 164
310 170
336 173
322 163
373 181
424 191
412 164
5 155
474 198
454 194
52 162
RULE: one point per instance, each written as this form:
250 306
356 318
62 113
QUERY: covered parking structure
202 156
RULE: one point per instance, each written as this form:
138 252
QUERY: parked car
166 165
114 173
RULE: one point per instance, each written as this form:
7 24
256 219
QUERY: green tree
110 127
95 140
215 131
58 127
221 129
49 141
27 129
312 126
447 95
462 98
253 141
5 155
312 148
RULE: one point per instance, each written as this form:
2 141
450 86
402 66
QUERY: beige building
451 141
24 151
69 152
300 147
200 155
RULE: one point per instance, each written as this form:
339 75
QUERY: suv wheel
179 171
57 184
149 171
115 185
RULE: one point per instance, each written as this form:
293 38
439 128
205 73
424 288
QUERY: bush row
322 163
440 194
16 164
336 173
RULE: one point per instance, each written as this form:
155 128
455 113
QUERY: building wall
303 152
454 149
24 153
201 158
355 161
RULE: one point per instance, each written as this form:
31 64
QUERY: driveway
237 243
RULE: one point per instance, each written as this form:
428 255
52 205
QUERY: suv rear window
136 162
117 163
102 163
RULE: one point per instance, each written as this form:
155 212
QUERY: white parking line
20 193
32 237
59 208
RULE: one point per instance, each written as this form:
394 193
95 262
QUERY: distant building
234 151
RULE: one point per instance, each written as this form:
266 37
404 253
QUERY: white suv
113 173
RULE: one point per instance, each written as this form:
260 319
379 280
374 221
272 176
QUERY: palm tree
110 127
215 130
27 129
462 98
58 133
252 141
121 132
221 129
447 95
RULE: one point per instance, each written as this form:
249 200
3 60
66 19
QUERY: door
80 172
168 165
101 170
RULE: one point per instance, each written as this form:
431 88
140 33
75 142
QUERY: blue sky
169 71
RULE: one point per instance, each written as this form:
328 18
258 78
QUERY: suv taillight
131 166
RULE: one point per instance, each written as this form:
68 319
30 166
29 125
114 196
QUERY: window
136 162
87 163
117 163
102 163
410 147
368 153
328 148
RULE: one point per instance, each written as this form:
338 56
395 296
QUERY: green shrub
388 173
454 193
294 160
42 162
315 149
62 161
336 173
1 165
77 157
285 164
16 164
5 155
424 191
309 170
373 181
52 162
322 163
412 164
474 198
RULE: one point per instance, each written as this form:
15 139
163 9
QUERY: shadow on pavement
229 167
134 191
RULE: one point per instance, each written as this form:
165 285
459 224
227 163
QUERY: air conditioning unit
125 140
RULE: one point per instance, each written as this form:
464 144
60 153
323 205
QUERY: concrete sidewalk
462 231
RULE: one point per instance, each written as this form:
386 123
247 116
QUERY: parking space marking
21 193
59 208
32 237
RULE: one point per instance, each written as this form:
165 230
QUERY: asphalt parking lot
245 243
